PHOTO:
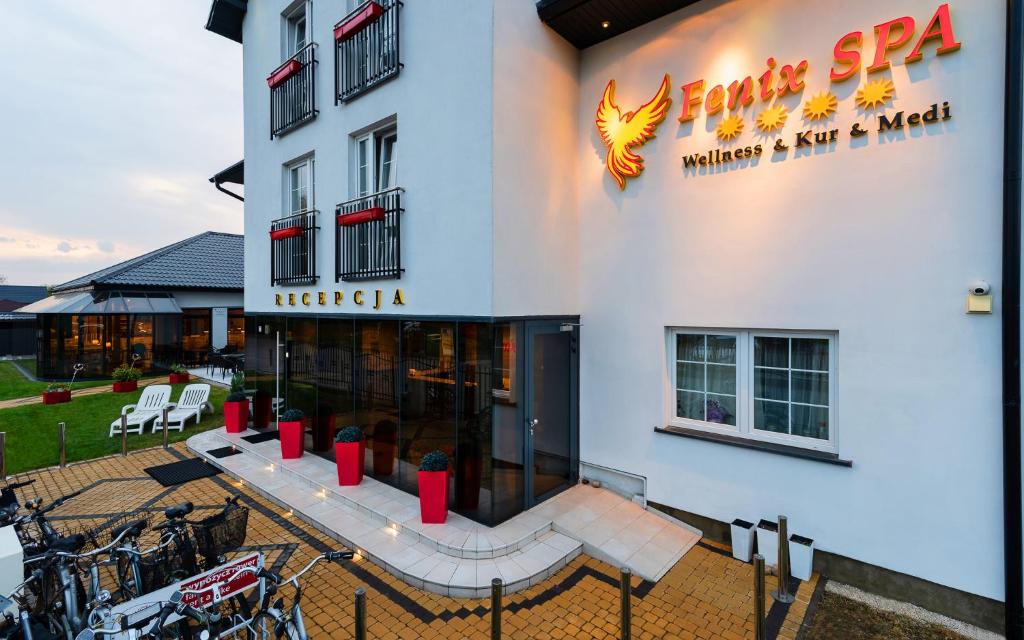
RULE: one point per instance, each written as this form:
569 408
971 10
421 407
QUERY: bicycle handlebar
78 556
330 556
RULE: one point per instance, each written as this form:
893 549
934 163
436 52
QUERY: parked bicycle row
139 577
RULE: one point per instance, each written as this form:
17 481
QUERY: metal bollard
3 455
165 412
496 589
124 435
625 603
61 442
360 614
782 594
759 633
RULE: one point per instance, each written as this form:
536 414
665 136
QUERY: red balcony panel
357 21
359 217
287 232
283 72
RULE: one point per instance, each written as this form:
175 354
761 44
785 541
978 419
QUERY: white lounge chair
153 399
194 399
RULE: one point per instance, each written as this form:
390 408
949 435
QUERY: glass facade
102 342
412 387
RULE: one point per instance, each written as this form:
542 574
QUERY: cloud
106 246
65 247
6 239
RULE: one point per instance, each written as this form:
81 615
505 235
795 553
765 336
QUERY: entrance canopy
100 302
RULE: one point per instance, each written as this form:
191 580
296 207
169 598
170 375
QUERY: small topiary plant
178 368
238 381
350 433
55 387
434 461
126 373
237 396
292 415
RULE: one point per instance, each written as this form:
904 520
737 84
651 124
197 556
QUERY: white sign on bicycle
148 605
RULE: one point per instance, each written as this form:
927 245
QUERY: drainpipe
1011 330
223 190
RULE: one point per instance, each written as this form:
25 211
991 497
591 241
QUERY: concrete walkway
458 558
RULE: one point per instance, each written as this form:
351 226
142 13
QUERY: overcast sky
115 114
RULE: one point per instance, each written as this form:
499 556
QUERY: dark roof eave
579 21
234 174
225 18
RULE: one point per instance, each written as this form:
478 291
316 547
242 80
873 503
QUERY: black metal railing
368 57
368 239
293 100
293 249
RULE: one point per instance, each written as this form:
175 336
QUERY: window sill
747 443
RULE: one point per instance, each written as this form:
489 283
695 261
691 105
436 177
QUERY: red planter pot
56 397
356 22
433 496
287 232
292 435
323 432
236 416
350 458
282 73
179 378
261 406
126 386
358 217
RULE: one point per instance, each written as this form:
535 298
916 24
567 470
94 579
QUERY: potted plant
742 539
179 374
236 412
261 409
350 456
238 381
292 433
801 557
126 378
433 484
57 393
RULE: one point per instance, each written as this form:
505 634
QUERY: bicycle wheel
235 611
264 627
126 577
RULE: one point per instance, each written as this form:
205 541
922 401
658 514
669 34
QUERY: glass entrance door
551 443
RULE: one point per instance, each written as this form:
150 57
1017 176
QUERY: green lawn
32 430
28 364
14 385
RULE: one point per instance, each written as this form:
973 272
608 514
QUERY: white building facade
759 273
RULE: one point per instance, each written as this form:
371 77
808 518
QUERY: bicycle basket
220 534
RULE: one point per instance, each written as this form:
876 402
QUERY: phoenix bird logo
621 133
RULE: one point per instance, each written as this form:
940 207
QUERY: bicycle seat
134 528
68 544
178 510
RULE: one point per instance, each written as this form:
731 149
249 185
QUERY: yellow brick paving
706 595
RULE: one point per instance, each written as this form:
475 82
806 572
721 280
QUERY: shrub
349 434
54 387
292 415
126 373
237 396
178 368
238 381
434 461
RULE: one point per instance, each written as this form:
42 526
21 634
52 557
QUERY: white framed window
773 386
375 161
296 28
299 186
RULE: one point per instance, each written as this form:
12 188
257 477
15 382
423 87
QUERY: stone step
408 557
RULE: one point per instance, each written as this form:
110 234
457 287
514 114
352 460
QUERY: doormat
176 473
261 437
223 452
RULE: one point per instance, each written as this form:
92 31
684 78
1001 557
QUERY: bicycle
272 620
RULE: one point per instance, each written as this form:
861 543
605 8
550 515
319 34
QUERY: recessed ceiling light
605 24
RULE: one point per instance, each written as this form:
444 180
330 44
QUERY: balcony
366 49
293 92
293 249
368 237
